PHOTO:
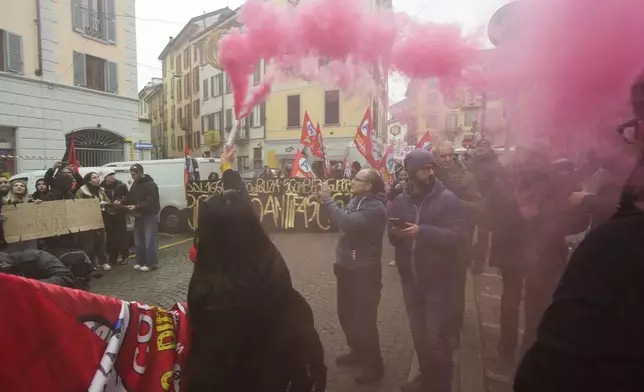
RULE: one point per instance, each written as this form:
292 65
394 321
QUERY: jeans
94 245
117 243
146 229
430 311
358 300
513 280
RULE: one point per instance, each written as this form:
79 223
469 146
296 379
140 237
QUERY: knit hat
417 159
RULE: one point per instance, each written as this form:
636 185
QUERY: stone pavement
310 260
488 288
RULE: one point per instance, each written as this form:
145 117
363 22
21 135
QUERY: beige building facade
68 69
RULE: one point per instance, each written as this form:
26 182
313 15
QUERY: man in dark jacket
591 338
115 220
428 224
143 203
358 270
37 264
463 184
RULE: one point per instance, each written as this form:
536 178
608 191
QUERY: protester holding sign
115 220
94 240
362 225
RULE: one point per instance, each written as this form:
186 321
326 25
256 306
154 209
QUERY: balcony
94 24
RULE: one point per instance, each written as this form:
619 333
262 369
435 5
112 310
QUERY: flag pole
234 133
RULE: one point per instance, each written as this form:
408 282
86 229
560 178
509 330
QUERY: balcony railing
95 24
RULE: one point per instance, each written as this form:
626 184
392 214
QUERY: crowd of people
101 248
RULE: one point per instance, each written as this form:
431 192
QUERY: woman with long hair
94 240
17 193
42 191
250 329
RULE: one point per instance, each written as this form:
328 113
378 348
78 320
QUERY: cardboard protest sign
30 221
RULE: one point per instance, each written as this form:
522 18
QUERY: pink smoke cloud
345 33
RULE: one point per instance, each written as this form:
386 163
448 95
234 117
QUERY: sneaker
137 266
106 267
370 374
145 268
350 359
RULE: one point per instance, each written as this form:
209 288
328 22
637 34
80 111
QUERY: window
205 90
251 117
195 79
180 143
257 157
257 76
433 121
95 18
331 107
179 92
293 111
217 122
186 58
228 86
95 73
196 108
217 84
229 119
11 53
451 121
178 63
186 85
173 142
197 140
172 88
172 116
471 116
171 61
195 50
180 117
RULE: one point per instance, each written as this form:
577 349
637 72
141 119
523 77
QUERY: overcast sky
157 20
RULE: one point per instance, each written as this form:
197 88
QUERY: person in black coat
143 203
42 191
250 329
115 220
37 264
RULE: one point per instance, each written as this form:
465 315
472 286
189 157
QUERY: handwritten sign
30 221
282 204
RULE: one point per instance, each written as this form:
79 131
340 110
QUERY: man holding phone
428 224
362 224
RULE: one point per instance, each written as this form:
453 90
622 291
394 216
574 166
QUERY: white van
168 175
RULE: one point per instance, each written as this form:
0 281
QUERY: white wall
44 113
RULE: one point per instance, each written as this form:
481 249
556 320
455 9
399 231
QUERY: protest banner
30 221
288 204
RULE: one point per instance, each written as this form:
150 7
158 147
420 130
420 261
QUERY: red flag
425 143
387 166
87 341
325 157
71 159
310 137
347 167
363 140
301 168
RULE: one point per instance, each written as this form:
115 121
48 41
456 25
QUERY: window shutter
80 77
14 53
111 84
205 89
262 113
77 15
220 80
212 86
111 21
221 121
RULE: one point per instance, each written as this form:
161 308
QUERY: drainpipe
39 71
131 143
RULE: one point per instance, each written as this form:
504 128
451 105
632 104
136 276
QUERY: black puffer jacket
116 190
37 264
144 194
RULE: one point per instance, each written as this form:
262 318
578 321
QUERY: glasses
629 131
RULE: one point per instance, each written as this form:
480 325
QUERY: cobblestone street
310 259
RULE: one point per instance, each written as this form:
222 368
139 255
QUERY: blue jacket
443 223
362 224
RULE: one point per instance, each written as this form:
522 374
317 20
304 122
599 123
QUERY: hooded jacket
85 193
443 227
362 225
115 191
144 194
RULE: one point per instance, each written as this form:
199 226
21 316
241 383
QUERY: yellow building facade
69 69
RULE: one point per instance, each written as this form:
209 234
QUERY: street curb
468 359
